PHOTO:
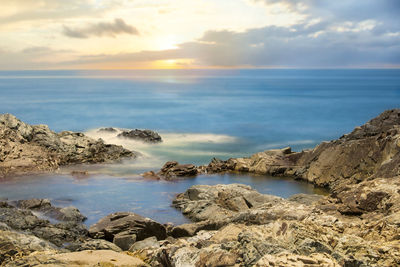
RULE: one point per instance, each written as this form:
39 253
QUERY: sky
154 34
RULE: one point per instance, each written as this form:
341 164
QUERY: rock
150 242
58 234
44 206
96 244
306 199
107 130
126 228
142 135
293 260
35 148
173 169
203 202
87 258
370 151
14 245
218 166
150 175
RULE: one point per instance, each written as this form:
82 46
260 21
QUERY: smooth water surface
261 109
101 195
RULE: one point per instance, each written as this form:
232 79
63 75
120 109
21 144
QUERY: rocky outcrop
35 148
125 228
237 226
369 151
30 218
68 214
147 136
172 169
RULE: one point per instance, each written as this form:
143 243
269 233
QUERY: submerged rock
35 148
148 136
125 228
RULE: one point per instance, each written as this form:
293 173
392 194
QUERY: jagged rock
125 228
204 202
173 169
24 220
370 151
35 148
218 166
142 135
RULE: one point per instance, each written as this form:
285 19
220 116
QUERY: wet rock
44 206
25 220
125 228
142 135
150 175
173 169
218 166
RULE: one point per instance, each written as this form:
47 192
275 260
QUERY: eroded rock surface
125 228
35 148
369 151
237 226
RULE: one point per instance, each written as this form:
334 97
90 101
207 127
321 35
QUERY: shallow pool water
100 195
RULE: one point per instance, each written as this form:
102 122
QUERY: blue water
199 113
264 108
101 195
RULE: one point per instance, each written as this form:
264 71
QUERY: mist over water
200 114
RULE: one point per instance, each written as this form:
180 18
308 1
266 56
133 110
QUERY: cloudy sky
130 34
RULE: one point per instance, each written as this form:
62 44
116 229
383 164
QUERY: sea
200 114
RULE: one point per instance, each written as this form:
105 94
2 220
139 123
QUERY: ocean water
199 113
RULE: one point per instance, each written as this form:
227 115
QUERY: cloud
118 26
41 10
321 44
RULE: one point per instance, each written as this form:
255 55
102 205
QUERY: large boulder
125 228
35 148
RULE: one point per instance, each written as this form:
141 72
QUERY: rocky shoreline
28 149
358 224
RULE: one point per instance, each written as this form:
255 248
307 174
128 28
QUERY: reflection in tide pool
99 195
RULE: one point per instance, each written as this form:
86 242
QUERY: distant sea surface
199 113
219 112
